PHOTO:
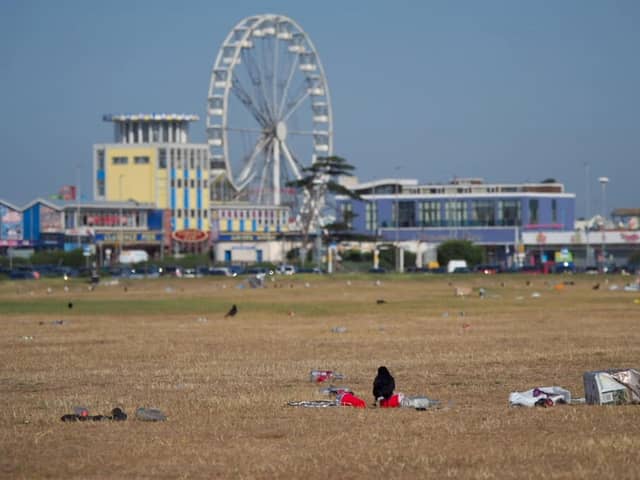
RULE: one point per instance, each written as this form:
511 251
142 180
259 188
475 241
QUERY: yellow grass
224 383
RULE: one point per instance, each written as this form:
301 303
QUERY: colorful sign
10 224
190 235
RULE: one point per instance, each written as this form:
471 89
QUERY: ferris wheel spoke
285 90
263 177
246 170
255 74
295 105
249 102
276 50
245 130
298 132
293 163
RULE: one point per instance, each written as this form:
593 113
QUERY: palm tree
318 180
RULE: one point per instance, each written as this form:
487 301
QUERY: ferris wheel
269 109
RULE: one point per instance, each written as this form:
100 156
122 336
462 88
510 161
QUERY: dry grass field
224 382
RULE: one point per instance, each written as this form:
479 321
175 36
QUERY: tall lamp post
603 183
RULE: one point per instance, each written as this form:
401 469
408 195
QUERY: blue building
492 215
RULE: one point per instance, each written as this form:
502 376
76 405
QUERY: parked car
488 269
377 270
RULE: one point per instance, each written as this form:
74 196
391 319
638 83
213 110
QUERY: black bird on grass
380 301
232 312
70 305
383 385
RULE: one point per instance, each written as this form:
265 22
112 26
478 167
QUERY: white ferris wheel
269 109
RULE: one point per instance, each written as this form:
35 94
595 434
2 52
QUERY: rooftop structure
150 127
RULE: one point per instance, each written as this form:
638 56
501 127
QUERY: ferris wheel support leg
276 172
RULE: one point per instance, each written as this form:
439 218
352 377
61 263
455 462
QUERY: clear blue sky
505 90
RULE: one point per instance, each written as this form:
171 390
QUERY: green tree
317 181
460 250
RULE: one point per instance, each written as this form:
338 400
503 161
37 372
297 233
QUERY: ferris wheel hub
281 131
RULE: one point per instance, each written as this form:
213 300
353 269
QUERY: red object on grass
392 402
350 400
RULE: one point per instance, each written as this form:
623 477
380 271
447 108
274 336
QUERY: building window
162 158
100 155
371 216
554 211
483 213
347 214
509 212
141 160
430 214
101 188
407 214
179 213
193 213
193 183
455 213
191 159
179 183
120 160
533 211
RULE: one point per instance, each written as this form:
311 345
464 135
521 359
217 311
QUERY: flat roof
150 117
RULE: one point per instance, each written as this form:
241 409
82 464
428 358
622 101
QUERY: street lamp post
603 182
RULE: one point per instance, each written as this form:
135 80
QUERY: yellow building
152 161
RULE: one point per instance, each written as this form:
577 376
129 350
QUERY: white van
454 264
287 269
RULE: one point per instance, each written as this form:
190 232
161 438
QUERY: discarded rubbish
348 399
612 387
313 403
535 295
319 376
81 414
632 287
481 292
331 390
540 397
339 329
202 320
613 288
400 400
150 415
27 337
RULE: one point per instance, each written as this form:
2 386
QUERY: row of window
137 160
189 183
191 213
279 215
456 213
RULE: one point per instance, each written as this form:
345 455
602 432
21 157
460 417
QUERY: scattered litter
113 283
378 283
49 290
348 399
637 301
339 329
481 292
559 287
66 288
150 415
319 376
27 337
540 397
81 414
466 326
632 287
400 400
291 313
519 297
613 288
254 282
349 283
445 314
313 403
202 320
535 295
169 290
307 284
331 390
612 387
